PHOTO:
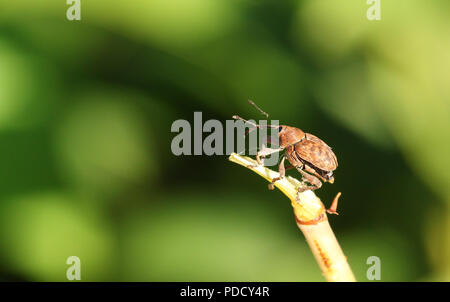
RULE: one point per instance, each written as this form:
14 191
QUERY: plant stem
312 220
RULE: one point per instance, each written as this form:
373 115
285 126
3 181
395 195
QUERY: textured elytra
313 150
317 152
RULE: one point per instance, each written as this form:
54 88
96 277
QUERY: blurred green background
86 108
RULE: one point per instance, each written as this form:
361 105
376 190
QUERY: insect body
311 156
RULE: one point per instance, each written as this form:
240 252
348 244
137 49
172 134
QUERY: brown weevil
311 156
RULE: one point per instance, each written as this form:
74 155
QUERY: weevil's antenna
259 109
237 117
256 126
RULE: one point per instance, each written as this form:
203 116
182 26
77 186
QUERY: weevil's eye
280 128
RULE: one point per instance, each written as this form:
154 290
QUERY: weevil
307 153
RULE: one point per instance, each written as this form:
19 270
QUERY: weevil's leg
312 171
263 153
282 172
314 181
